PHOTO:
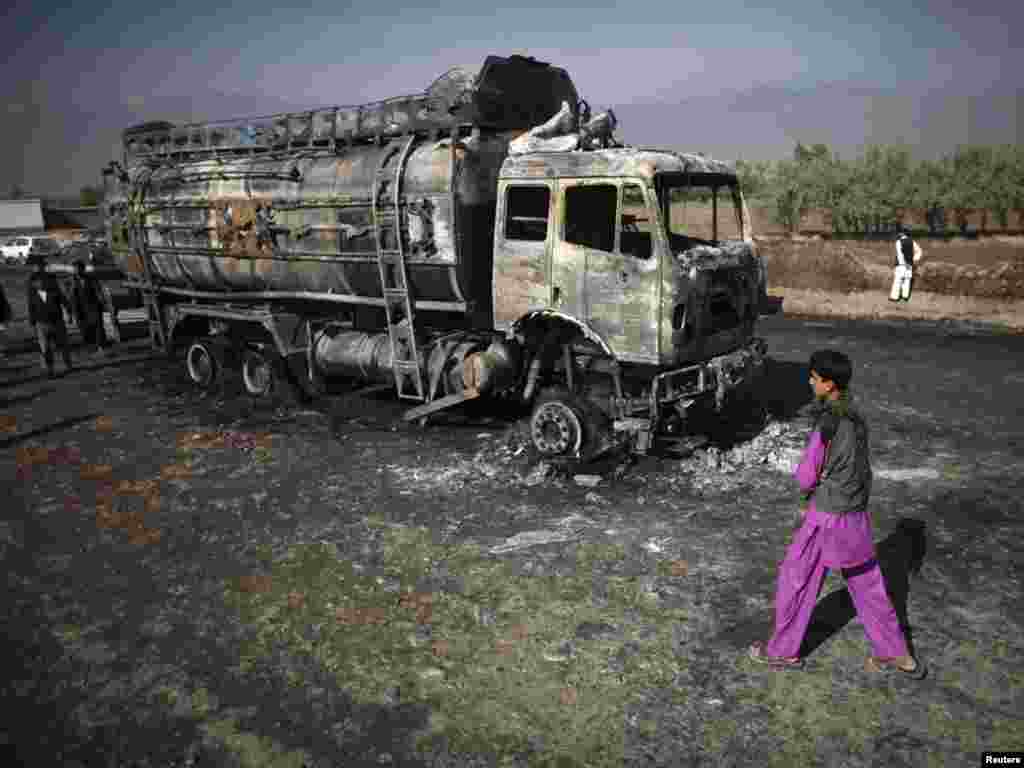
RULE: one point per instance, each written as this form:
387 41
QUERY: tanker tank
215 212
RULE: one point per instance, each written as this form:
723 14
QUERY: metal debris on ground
533 538
657 546
507 455
538 474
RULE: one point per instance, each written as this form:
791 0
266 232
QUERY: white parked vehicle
16 251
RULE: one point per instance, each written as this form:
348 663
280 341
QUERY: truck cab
649 254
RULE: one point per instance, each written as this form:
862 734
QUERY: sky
730 78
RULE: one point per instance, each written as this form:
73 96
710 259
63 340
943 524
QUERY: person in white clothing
907 254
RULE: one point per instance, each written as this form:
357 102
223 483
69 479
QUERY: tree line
875 192
88 196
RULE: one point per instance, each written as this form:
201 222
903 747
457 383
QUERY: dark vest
845 484
907 249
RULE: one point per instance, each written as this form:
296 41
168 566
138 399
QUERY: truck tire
204 364
560 427
261 373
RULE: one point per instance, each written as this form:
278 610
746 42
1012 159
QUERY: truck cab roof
620 161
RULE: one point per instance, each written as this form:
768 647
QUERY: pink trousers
801 575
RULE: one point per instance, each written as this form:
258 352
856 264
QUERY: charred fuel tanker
485 239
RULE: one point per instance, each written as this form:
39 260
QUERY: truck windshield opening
702 208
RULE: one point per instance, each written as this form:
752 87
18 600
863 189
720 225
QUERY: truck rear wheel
260 373
203 364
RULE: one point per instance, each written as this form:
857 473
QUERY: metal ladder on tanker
398 304
157 332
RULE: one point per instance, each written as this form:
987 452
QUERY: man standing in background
5 317
45 305
5 309
89 305
907 254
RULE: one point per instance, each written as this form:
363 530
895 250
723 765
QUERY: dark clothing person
46 303
5 308
5 317
89 304
907 254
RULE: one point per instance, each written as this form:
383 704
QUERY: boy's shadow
900 554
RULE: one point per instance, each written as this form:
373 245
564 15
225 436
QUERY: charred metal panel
621 291
301 222
522 277
628 162
623 305
579 268
715 298
569 279
518 92
512 93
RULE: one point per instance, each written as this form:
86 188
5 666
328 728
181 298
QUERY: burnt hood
715 303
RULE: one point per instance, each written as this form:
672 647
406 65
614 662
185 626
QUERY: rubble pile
777 448
508 454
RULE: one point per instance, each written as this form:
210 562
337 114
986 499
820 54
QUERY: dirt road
194 582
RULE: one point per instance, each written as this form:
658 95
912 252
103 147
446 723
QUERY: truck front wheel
558 426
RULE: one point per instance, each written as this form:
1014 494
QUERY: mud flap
303 386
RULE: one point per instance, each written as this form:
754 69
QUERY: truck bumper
718 376
675 391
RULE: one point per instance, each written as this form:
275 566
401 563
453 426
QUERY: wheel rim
257 374
201 367
556 429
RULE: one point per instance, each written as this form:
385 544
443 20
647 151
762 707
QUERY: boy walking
836 532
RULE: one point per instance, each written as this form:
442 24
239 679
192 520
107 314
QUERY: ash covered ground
192 581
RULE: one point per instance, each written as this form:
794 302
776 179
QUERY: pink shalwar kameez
826 541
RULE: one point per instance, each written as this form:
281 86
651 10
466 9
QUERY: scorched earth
194 581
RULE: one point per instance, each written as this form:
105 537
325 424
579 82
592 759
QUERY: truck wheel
203 364
557 426
260 373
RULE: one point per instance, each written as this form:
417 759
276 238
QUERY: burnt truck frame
550 280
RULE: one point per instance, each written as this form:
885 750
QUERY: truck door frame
623 280
521 275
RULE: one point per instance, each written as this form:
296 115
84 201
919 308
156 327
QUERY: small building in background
61 219
23 216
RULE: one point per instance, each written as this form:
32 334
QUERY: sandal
876 664
757 653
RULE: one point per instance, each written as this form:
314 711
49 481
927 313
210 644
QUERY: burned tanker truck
485 239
